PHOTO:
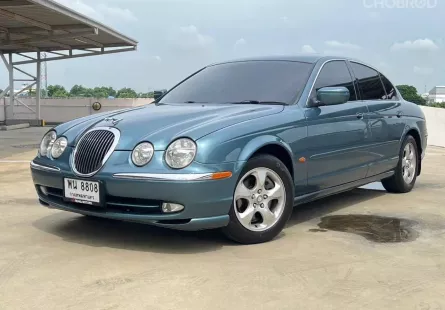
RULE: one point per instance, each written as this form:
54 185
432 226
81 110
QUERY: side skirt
340 188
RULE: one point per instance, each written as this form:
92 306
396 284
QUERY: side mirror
332 95
158 94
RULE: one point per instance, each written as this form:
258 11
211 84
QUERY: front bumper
186 225
207 202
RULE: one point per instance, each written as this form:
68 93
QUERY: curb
12 127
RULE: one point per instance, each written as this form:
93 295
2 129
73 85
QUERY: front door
338 135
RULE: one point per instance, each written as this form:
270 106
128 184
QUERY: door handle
399 114
360 115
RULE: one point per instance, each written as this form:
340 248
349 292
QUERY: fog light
168 207
44 190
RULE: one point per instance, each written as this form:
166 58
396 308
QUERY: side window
334 74
369 82
391 93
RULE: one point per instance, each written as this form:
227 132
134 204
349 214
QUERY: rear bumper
206 202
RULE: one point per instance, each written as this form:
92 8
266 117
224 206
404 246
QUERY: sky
404 39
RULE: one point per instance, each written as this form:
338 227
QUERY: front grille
93 150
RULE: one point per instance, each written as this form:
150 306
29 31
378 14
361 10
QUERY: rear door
337 134
385 117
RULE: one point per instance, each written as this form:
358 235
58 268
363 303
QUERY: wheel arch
413 132
270 145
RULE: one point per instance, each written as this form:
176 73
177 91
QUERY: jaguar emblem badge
114 121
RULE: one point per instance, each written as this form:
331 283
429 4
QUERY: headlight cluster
53 146
178 155
47 143
142 154
59 147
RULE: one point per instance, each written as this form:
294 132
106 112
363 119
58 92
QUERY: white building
26 92
437 94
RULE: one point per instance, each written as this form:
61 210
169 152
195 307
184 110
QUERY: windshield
237 82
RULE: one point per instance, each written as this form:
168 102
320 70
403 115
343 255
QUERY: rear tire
263 201
407 169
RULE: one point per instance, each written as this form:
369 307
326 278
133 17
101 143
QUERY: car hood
164 123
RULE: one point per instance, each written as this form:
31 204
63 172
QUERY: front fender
242 149
257 143
240 141
214 149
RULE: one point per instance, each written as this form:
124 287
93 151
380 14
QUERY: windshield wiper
259 102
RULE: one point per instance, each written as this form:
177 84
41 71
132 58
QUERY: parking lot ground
20 140
57 260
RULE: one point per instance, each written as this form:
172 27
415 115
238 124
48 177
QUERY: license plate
81 191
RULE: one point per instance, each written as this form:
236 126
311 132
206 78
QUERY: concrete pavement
21 140
57 260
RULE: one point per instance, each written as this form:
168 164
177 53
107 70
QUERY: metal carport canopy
44 25
35 26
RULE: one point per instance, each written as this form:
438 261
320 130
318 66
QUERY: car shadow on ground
325 206
99 232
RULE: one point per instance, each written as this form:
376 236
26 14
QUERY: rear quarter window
370 85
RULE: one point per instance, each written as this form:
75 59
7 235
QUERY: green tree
58 90
409 93
81 91
89 92
60 94
99 93
103 92
77 91
146 95
126 93
438 105
31 92
110 91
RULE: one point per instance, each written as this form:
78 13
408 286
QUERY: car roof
297 58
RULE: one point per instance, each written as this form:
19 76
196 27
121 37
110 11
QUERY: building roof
44 25
438 90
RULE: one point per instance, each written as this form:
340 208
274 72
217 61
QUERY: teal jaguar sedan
236 145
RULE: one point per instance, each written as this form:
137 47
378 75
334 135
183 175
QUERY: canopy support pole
38 86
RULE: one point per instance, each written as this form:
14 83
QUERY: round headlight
59 147
47 143
142 154
180 153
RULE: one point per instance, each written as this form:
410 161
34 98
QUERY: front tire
263 201
407 169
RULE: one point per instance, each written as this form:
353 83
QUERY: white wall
437 98
62 110
435 120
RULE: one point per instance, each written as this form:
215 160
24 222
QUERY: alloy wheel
409 163
259 199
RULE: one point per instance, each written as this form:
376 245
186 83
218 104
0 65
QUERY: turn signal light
221 175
